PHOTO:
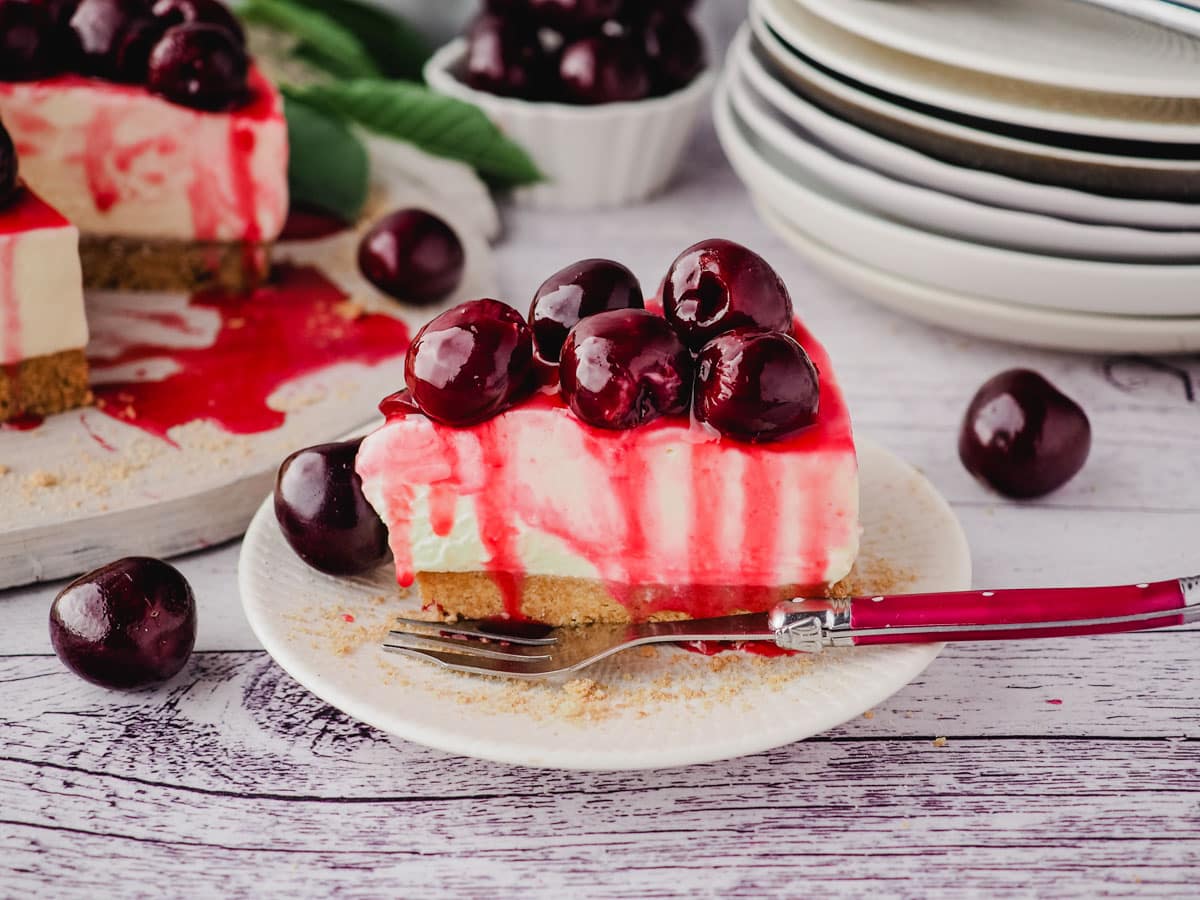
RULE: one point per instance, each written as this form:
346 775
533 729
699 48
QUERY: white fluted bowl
599 156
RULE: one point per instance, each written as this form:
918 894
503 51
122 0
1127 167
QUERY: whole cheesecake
148 127
697 462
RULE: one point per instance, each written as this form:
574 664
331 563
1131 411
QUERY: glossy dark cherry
575 292
201 66
323 514
8 167
624 368
505 57
209 12
675 50
106 33
126 625
1022 436
575 15
603 69
716 285
755 385
400 403
29 40
469 363
412 255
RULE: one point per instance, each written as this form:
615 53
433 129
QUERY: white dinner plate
636 711
900 162
1140 177
987 319
1008 276
945 213
1002 100
1062 43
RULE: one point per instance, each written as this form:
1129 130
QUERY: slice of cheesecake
43 329
650 485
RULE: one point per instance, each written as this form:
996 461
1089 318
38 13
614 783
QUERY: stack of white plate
1027 170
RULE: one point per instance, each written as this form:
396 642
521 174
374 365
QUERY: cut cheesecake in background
695 465
149 129
43 329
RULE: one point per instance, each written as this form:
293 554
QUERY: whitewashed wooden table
1070 768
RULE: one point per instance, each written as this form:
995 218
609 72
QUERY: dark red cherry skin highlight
199 65
470 363
603 69
126 625
575 292
716 286
412 255
1022 436
755 386
624 368
323 514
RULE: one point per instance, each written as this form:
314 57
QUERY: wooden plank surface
234 781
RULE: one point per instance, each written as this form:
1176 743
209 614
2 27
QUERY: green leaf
398 49
327 167
325 42
438 124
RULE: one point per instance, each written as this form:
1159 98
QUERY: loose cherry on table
1022 436
624 368
126 625
505 57
755 385
8 167
575 292
323 514
716 285
470 362
412 255
200 66
603 69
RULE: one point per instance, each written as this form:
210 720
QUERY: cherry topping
8 167
1022 436
470 362
574 15
323 514
201 66
505 57
581 289
755 385
412 255
126 625
624 368
29 47
209 12
603 69
675 51
716 285
400 403
100 29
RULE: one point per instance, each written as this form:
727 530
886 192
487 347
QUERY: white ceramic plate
902 163
669 708
986 319
1007 276
1171 180
1002 100
1057 42
945 213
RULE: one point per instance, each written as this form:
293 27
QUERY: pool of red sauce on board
496 515
291 327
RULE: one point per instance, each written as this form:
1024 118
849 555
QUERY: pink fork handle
1048 612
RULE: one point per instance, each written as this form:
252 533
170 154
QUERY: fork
808 625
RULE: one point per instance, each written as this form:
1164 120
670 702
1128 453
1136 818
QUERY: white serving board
84 488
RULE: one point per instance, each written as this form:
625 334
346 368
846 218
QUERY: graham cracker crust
131 264
554 600
44 385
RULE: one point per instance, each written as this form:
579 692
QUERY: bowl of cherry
602 94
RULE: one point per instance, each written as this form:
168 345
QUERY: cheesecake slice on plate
148 127
607 463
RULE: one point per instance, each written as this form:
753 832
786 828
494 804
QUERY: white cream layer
41 294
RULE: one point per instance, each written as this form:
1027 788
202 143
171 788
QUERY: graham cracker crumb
350 310
41 479
4 470
869 714
940 742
